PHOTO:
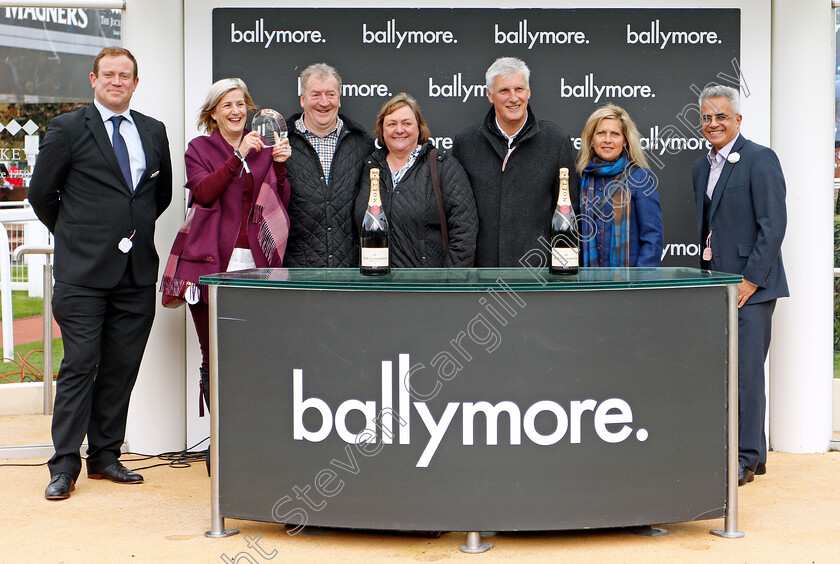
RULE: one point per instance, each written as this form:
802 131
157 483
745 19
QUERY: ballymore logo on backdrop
392 35
591 89
258 34
655 36
523 36
456 88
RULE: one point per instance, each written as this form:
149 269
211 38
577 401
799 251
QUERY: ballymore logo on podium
610 418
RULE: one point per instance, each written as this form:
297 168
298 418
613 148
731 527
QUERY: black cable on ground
16 464
178 459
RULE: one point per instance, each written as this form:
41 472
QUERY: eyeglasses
720 118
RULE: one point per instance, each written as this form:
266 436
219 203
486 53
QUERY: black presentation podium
474 399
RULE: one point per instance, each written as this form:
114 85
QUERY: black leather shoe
745 475
761 469
60 486
117 473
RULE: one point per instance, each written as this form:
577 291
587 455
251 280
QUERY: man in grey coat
513 161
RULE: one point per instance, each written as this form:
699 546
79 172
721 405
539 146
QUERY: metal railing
16 235
14 216
48 332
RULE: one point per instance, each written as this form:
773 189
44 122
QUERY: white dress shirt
128 130
510 138
717 160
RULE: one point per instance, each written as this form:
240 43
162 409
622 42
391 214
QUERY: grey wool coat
515 205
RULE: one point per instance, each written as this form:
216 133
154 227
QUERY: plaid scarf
273 221
613 221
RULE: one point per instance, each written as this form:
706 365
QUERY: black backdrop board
659 353
649 61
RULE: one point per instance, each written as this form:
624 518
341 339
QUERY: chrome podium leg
217 522
730 530
474 544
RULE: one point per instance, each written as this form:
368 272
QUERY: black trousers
105 333
754 324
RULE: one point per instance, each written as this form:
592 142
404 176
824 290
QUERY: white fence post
6 294
35 234
17 214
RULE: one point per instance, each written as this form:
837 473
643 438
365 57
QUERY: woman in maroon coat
238 195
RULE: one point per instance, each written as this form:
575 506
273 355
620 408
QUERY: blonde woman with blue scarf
620 219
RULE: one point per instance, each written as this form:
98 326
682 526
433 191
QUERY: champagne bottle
565 240
374 233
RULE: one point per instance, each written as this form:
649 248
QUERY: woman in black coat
408 195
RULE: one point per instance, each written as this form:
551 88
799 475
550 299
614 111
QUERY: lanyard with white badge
125 243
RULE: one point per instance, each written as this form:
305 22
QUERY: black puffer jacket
321 231
515 205
413 215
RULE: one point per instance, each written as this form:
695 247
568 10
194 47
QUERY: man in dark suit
102 178
740 193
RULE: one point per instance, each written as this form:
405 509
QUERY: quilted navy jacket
321 230
413 215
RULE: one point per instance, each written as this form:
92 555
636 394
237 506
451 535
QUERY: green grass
29 362
24 306
32 362
837 364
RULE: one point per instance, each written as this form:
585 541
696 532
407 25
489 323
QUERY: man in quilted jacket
327 159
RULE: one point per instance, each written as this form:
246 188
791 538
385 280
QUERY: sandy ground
792 514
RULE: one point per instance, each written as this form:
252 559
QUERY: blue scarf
597 214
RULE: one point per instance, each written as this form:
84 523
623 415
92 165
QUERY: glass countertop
470 279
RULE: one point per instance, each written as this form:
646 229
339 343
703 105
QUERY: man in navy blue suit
740 193
102 178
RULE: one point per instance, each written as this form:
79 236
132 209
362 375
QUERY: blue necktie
121 150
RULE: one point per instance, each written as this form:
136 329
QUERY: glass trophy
268 122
